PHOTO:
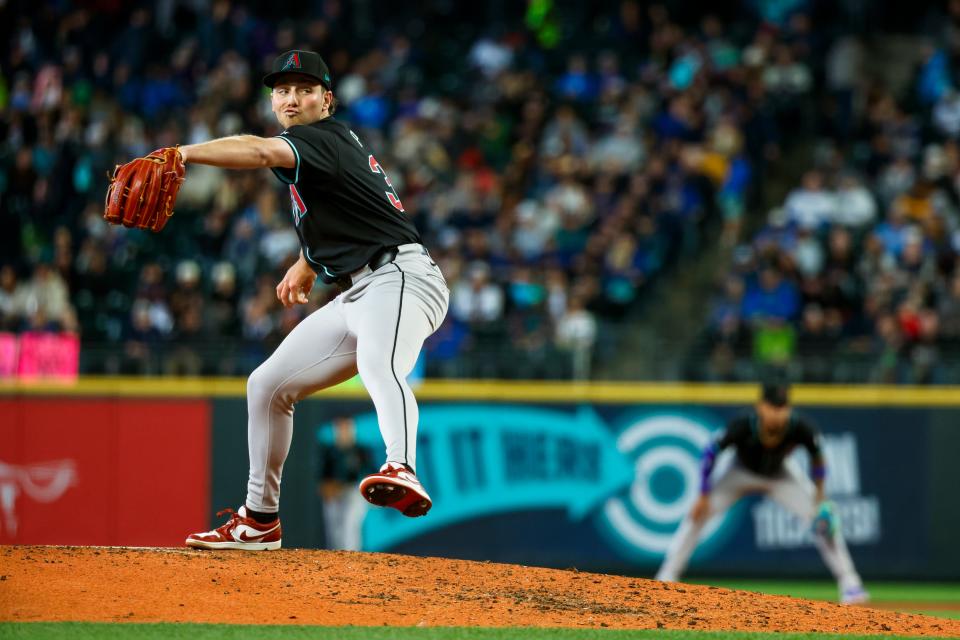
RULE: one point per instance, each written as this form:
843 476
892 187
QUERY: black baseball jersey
743 434
344 207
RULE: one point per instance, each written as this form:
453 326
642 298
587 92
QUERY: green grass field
943 600
99 631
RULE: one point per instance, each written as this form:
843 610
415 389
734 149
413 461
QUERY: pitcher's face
295 99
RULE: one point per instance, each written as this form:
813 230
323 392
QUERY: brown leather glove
143 191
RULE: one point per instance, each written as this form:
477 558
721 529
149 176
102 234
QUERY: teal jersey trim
327 272
296 173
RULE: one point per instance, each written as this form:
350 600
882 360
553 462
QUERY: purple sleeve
818 469
706 465
810 439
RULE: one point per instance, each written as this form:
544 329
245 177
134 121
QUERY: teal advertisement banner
604 487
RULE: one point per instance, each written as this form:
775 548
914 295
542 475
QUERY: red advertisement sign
103 472
9 348
49 355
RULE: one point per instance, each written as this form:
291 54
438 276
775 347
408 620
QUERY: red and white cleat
239 532
397 487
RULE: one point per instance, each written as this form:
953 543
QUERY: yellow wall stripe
502 390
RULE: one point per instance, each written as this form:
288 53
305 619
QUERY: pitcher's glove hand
143 191
826 523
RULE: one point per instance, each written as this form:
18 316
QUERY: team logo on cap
293 62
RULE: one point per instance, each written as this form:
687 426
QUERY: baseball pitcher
353 234
762 441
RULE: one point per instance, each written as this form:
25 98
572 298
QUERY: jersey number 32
392 194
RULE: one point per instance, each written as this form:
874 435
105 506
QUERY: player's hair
334 103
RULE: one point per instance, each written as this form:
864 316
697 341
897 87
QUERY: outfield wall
592 476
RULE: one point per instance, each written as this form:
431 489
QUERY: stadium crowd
552 185
557 159
855 276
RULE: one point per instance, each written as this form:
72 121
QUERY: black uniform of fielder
743 434
762 466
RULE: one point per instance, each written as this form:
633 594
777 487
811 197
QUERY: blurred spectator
949 309
490 56
887 351
925 365
13 300
576 334
786 77
933 75
854 206
810 206
187 295
184 356
619 152
815 344
771 296
47 300
946 114
892 234
142 342
577 83
221 315
476 299
808 255
774 343
895 179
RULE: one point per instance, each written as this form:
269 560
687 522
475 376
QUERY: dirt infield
339 588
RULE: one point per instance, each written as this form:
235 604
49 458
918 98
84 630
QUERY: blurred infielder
342 463
762 441
353 233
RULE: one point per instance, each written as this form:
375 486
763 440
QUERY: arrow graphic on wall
479 460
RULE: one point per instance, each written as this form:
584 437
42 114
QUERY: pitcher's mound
340 588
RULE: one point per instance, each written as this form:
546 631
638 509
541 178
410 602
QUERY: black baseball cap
305 63
775 393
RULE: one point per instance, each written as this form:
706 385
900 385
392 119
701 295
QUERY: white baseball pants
376 328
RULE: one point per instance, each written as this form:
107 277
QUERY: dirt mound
340 588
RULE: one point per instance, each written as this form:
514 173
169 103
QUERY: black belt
380 258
